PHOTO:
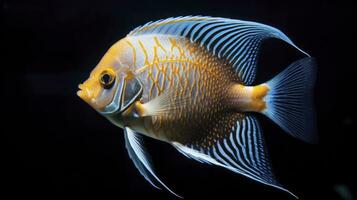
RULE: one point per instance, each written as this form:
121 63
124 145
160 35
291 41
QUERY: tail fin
289 100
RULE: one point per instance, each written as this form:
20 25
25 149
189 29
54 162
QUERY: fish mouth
85 94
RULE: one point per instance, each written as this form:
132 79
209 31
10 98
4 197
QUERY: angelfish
188 81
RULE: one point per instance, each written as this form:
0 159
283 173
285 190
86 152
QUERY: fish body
188 81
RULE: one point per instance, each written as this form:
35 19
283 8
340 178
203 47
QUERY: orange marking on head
145 52
174 44
155 59
134 51
159 44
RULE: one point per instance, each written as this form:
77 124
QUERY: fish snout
85 93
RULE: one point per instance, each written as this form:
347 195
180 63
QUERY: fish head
112 86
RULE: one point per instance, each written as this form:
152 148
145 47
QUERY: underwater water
57 146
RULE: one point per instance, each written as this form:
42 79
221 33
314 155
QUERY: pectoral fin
164 104
142 161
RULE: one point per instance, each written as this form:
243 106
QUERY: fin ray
289 100
137 152
241 151
165 103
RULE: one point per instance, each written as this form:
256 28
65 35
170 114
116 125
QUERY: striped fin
236 41
290 100
137 152
241 151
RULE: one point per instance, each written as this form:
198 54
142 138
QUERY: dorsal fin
236 41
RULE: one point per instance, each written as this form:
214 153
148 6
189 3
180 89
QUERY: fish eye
107 79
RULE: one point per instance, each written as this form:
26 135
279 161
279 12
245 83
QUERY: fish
189 81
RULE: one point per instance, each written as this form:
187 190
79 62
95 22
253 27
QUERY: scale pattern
195 81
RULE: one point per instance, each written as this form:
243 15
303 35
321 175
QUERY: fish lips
84 93
114 106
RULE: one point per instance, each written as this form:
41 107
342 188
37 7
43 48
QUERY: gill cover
127 92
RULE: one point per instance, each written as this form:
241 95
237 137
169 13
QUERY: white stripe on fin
137 152
235 157
290 100
241 40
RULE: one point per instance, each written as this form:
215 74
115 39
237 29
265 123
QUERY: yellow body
202 92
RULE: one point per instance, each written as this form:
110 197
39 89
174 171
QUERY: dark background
57 146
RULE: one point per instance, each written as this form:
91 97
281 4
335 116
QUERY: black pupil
106 78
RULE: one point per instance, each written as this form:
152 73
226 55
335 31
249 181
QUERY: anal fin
242 151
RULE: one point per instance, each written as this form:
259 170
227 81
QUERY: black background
57 146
